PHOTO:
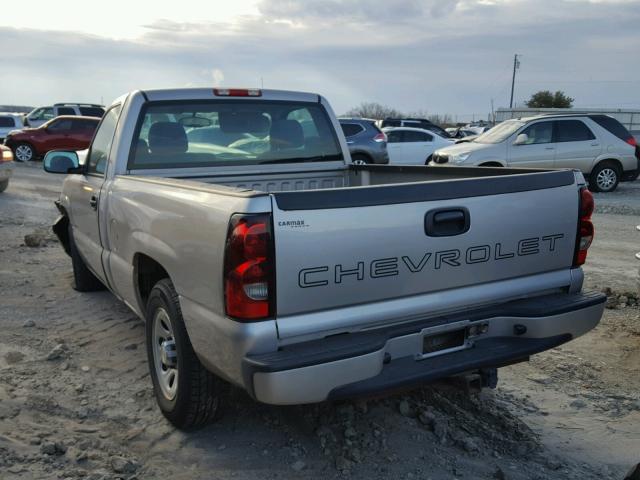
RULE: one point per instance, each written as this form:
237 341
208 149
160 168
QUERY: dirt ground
76 399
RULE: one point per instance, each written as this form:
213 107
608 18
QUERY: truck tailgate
409 245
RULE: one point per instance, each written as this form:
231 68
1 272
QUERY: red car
60 133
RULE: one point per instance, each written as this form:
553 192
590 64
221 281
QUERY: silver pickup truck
233 222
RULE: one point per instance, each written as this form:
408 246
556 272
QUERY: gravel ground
76 399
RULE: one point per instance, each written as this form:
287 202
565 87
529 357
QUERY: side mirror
57 161
521 139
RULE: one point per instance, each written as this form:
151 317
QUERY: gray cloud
444 57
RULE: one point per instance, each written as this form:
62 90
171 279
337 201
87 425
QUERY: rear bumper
391 357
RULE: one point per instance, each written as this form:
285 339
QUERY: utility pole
516 65
493 114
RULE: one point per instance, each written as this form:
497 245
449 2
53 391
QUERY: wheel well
148 272
613 161
362 154
490 164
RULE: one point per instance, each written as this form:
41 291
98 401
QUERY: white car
412 146
9 122
597 145
41 115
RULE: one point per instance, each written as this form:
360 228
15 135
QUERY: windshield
500 132
223 133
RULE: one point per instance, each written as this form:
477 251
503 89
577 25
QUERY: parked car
597 145
65 132
301 277
422 123
413 146
6 160
8 122
367 143
41 115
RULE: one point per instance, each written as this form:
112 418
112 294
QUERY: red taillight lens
632 141
380 137
585 227
248 268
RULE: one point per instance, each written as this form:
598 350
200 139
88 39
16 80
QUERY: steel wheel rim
606 178
359 162
164 354
24 153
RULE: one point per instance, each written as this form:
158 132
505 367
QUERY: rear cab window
183 134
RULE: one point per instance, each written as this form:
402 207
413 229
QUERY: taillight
632 141
380 137
249 280
585 227
237 92
6 155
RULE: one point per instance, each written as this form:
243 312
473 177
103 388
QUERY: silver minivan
597 145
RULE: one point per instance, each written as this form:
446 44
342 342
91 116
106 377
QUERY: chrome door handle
550 148
595 144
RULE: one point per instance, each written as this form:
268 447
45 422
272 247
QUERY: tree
373 110
546 99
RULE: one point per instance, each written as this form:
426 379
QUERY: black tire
360 159
196 400
3 185
24 152
83 279
604 177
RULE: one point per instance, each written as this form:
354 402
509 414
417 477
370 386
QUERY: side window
572 131
84 125
394 136
46 114
91 111
61 125
101 145
412 136
541 132
66 111
7 122
351 129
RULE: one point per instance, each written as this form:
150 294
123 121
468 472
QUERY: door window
66 111
45 113
101 145
541 132
62 125
92 111
84 126
413 136
7 122
572 131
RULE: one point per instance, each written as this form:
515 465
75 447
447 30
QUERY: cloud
443 57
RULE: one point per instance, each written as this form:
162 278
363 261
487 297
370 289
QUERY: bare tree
373 110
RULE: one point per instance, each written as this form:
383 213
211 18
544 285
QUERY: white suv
597 145
41 115
9 122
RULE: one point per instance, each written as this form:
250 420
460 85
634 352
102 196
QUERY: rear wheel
24 152
83 279
604 177
360 159
188 394
3 185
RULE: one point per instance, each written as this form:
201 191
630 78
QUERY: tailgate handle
446 222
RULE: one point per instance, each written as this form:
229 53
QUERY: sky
434 56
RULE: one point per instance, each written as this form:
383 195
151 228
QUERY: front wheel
604 178
188 395
24 152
